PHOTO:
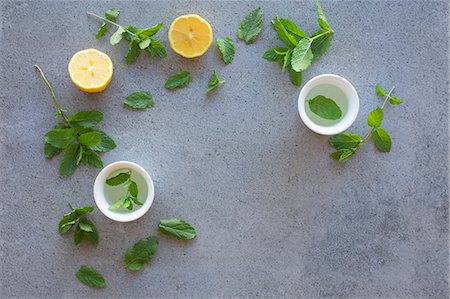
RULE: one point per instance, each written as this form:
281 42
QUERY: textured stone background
276 217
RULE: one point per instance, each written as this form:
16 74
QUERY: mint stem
58 108
323 33
111 22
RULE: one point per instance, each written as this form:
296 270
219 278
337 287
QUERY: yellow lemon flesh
91 70
190 35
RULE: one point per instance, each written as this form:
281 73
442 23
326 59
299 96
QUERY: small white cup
103 204
350 93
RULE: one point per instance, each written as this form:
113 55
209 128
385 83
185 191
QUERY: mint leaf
90 277
110 14
345 141
214 82
145 43
302 55
106 144
119 179
86 118
90 138
101 31
116 37
85 226
127 203
118 203
133 52
91 158
275 54
139 100
70 160
322 20
375 117
50 151
178 80
382 139
60 138
343 155
81 235
292 29
66 223
325 108
83 210
290 40
178 228
251 26
136 201
380 91
140 253
295 77
156 49
395 101
149 32
133 189
321 44
226 48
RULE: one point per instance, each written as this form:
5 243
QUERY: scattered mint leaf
275 54
90 277
295 77
85 119
60 138
139 100
119 179
382 139
140 253
302 55
82 235
325 108
90 138
345 141
375 118
178 80
178 228
395 101
380 91
214 82
70 160
133 52
290 40
322 20
251 26
226 48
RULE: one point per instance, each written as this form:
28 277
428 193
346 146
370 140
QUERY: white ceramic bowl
103 204
350 93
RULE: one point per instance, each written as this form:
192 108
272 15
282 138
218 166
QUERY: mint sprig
75 137
346 144
214 82
124 179
84 228
111 14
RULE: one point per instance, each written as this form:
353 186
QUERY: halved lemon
91 70
190 35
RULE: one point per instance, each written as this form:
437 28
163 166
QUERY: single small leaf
214 82
70 160
85 226
91 158
90 277
290 40
60 138
380 91
86 118
118 203
292 29
140 253
226 48
119 179
178 228
320 45
101 31
139 100
275 54
117 36
251 26
302 55
83 210
325 108
112 14
133 52
178 80
50 151
322 20
345 141
149 32
156 49
145 43
286 60
382 139
343 155
90 138
395 101
133 189
81 235
375 118
295 77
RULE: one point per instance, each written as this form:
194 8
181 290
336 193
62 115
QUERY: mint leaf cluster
76 138
346 144
139 39
300 50
123 179
85 229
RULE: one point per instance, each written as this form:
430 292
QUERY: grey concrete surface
276 217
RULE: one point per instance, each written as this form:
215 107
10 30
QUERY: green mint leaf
133 189
178 80
112 14
292 29
61 126
133 52
90 138
136 201
321 44
86 118
139 100
119 179
127 203
375 117
226 48
91 158
321 17
302 55
251 26
380 91
395 101
382 140
60 138
343 155
275 54
178 228
295 77
156 49
90 277
290 40
117 36
325 108
85 226
149 32
50 151
129 32
118 204
140 253
70 160
106 143
101 31
214 82
81 235
286 60
66 223
83 210
345 141
145 43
